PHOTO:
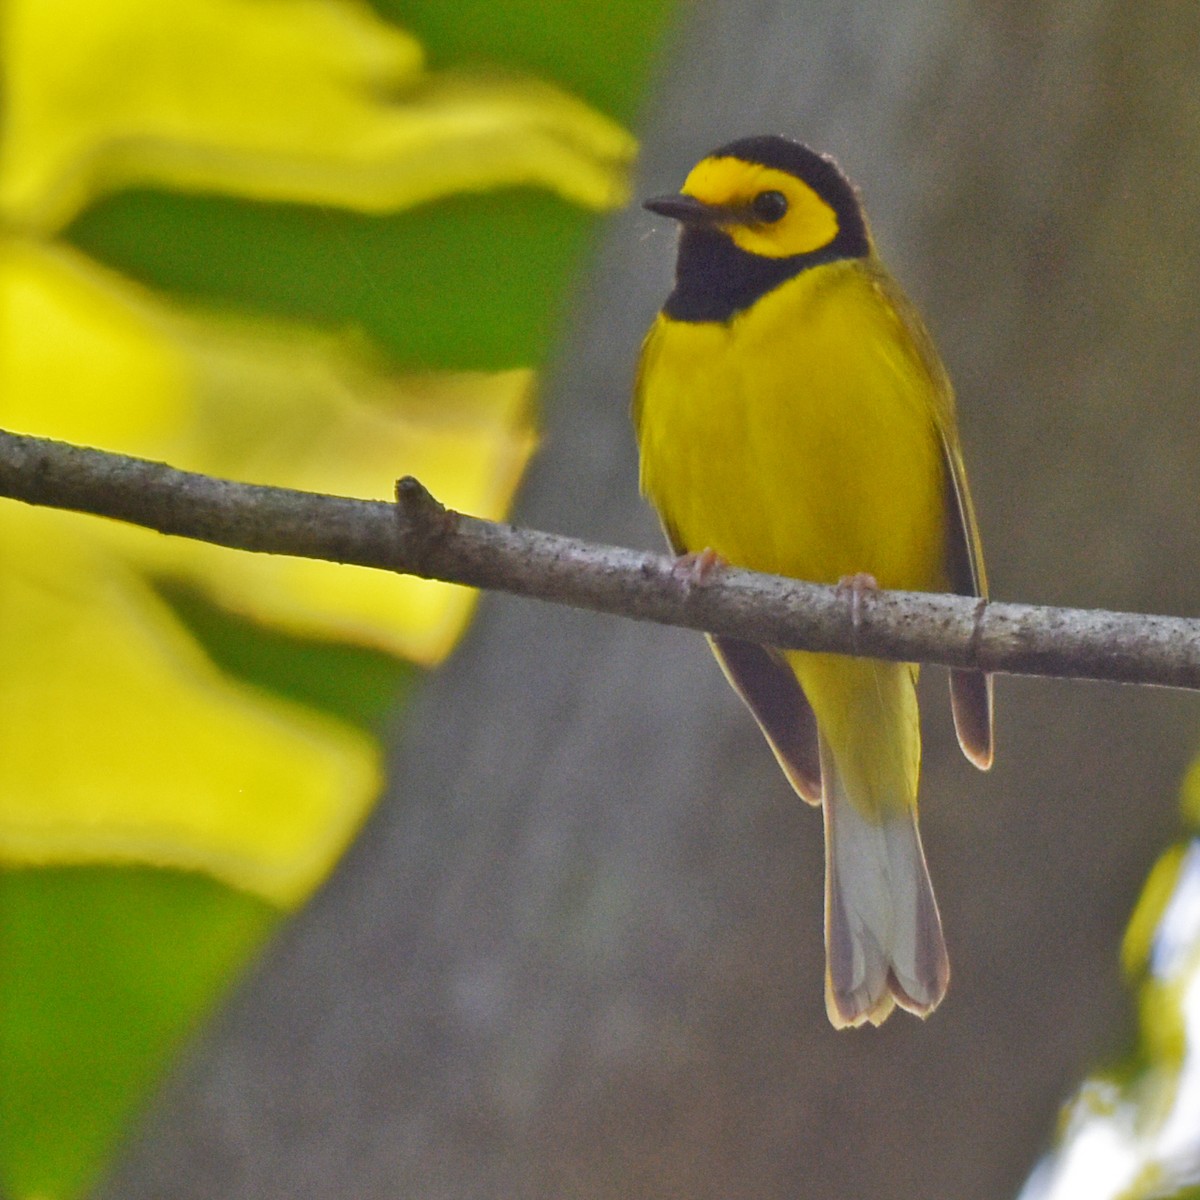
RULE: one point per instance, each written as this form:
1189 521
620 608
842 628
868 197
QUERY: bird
793 417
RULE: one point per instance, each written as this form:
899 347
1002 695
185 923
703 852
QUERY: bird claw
858 586
695 569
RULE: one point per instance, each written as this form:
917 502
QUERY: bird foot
858 586
697 568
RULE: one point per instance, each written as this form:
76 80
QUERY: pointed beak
687 209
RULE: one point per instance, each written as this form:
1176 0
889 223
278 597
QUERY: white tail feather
883 934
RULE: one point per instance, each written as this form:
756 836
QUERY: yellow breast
800 438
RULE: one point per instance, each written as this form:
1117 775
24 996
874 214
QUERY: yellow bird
794 417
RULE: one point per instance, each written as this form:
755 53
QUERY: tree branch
417 536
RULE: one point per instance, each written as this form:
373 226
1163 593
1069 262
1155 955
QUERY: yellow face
806 224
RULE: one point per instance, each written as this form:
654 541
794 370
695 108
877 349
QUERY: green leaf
602 50
358 684
106 971
472 282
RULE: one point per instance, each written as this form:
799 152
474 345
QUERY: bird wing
765 681
970 691
770 690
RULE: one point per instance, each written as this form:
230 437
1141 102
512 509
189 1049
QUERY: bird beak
688 210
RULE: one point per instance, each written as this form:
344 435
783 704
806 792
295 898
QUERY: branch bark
418 536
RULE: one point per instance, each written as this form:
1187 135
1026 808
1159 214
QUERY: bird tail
883 934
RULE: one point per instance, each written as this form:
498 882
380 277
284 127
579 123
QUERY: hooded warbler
794 418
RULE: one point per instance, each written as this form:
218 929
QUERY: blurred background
576 949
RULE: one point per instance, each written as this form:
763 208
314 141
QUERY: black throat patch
715 279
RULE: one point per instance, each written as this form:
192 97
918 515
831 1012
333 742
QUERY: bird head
755 212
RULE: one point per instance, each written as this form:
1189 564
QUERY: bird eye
769 206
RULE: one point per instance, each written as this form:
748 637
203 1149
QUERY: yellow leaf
118 739
150 754
91 358
317 101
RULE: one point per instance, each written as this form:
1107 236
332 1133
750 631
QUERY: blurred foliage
238 237
122 741
407 281
359 684
602 52
106 970
502 257
1133 1133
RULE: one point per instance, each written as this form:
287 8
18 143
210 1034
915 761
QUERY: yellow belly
800 439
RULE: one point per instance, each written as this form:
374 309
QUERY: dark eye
769 206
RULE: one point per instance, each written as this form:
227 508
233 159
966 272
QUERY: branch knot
423 522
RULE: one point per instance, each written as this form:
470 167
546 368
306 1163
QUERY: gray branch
417 536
